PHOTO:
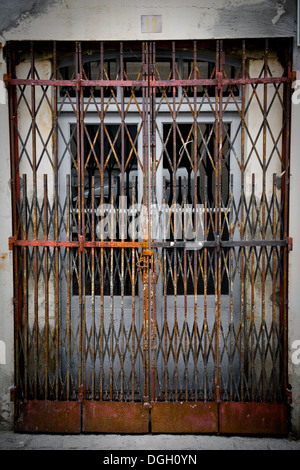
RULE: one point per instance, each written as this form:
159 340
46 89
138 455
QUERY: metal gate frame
81 415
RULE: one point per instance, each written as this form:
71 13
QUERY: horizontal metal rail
146 83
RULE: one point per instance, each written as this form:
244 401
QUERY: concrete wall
6 290
294 265
121 20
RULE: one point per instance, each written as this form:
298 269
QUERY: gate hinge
11 242
289 241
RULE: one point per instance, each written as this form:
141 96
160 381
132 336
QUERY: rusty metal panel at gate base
112 417
49 416
184 417
253 418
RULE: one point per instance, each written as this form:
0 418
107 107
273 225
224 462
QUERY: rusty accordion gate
150 191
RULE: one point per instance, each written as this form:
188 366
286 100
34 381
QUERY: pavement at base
16 441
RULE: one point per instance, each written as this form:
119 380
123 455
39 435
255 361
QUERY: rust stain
3 258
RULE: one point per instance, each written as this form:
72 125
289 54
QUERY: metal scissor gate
150 192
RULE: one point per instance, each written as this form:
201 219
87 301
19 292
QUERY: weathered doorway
150 236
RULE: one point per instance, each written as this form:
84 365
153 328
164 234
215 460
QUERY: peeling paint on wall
14 12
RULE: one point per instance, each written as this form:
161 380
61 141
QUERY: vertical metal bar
25 290
195 225
111 326
286 164
79 203
35 249
165 329
144 197
205 371
216 221
186 374
69 254
145 271
133 319
56 223
15 196
243 319
252 325
219 209
264 202
274 270
122 326
46 288
93 290
101 202
175 222
83 209
152 200
231 284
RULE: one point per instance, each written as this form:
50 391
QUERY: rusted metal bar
205 371
145 84
145 271
46 288
35 203
263 262
216 222
56 226
219 206
285 229
152 200
82 256
165 327
122 326
155 244
242 230
195 117
15 197
25 290
231 286
175 198
101 378
84 244
252 324
69 255
93 332
80 185
133 295
274 276
111 321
